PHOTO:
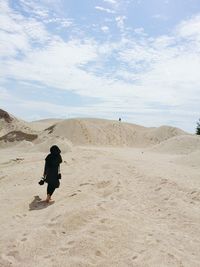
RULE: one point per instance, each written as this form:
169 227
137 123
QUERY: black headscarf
54 158
55 150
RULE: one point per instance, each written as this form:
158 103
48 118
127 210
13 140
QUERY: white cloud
120 22
162 70
107 10
61 22
105 29
113 2
189 29
34 8
17 32
40 10
139 30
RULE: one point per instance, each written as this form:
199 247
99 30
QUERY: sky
134 59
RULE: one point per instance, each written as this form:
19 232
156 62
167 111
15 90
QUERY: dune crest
9 123
82 131
41 125
4 115
110 133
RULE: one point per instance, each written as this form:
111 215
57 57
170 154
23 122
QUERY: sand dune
9 123
31 142
183 144
16 137
43 146
192 160
41 125
111 133
129 197
96 132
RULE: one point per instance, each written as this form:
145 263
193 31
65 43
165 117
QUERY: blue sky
134 59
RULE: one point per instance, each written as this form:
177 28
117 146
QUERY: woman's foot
48 198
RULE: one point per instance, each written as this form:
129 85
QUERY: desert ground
129 195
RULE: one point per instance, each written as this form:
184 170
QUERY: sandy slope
41 125
131 198
97 132
115 207
183 144
9 123
111 133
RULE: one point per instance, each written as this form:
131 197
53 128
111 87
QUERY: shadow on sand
38 204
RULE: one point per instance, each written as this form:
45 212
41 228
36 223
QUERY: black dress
52 164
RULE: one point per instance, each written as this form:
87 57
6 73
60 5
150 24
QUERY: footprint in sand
118 187
14 254
98 253
2 177
13 246
84 184
100 205
5 262
48 256
55 218
63 249
195 195
163 181
104 220
72 195
107 193
103 184
71 242
158 189
17 216
52 224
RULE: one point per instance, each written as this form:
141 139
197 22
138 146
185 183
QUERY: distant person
120 119
52 170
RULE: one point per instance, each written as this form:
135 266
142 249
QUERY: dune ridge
41 125
183 144
110 133
9 123
82 131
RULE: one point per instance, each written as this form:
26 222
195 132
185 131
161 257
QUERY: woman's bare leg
48 198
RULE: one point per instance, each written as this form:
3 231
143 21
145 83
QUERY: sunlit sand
129 196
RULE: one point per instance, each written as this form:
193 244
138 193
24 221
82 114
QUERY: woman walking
52 171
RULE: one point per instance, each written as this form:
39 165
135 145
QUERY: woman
51 170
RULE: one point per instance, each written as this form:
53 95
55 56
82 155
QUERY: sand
41 125
99 132
118 204
9 123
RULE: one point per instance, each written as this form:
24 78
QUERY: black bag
41 182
